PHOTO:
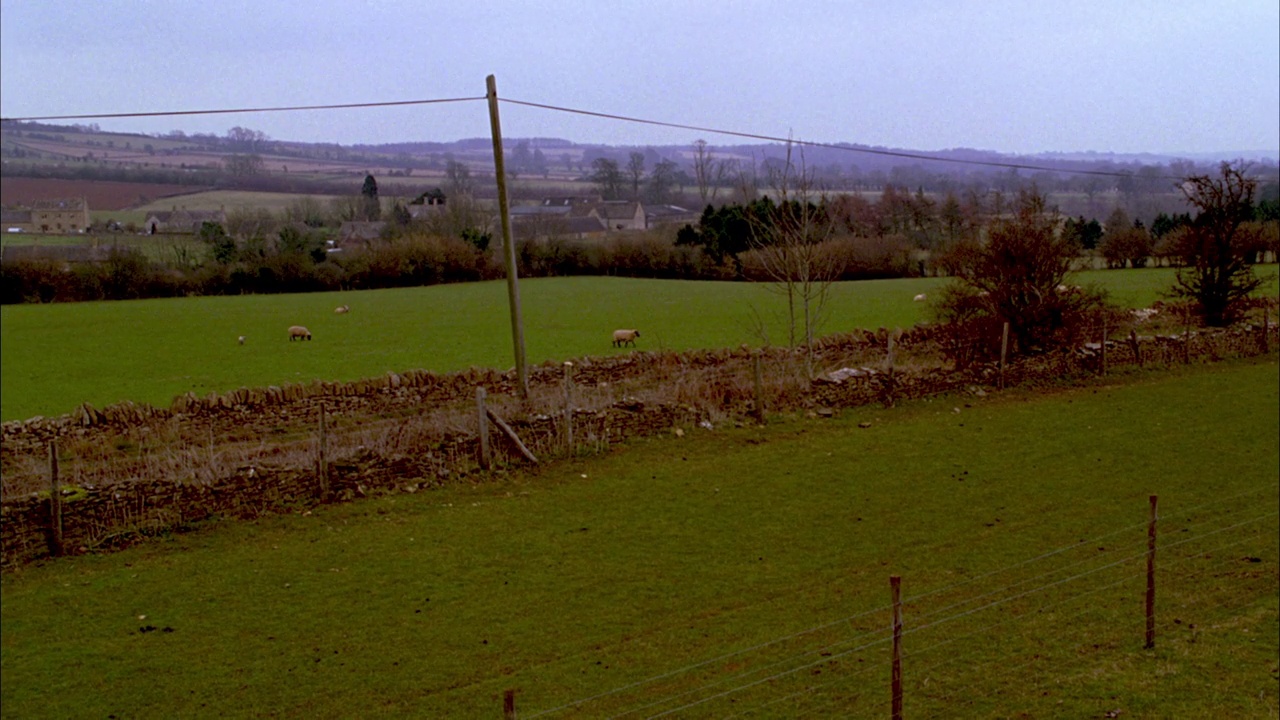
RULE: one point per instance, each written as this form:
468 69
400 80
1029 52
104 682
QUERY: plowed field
100 194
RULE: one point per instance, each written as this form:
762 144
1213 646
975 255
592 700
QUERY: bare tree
791 244
635 170
708 171
1219 244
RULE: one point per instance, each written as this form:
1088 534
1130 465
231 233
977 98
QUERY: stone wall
256 451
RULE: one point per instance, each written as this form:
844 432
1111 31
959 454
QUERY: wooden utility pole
508 246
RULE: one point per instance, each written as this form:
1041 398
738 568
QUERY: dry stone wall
254 451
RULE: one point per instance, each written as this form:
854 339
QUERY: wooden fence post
482 418
509 705
892 375
1186 337
1004 351
1266 330
568 406
55 501
1104 347
758 409
324 453
895 587
1151 577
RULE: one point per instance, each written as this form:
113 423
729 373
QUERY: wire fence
972 646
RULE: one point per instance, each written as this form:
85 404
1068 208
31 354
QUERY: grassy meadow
57 356
737 572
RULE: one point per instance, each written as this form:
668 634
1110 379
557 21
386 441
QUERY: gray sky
1105 75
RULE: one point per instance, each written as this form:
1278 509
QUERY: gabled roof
67 204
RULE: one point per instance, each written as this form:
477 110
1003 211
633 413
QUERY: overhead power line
831 146
592 113
230 111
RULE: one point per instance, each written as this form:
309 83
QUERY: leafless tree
1220 244
708 171
635 171
791 243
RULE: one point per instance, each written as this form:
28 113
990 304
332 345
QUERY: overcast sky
1018 76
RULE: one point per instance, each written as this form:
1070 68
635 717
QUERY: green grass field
729 572
55 357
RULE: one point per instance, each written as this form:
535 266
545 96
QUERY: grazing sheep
920 298
342 309
297 332
624 337
241 339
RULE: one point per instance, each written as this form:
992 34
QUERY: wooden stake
508 246
511 435
324 452
1266 330
1004 352
568 406
1104 346
509 705
55 501
895 587
1186 337
1151 577
757 374
483 431
892 375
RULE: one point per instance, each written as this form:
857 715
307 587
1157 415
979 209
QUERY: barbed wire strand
883 608
1166 563
1036 615
954 617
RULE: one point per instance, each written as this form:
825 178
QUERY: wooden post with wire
1266 330
757 376
1104 347
892 375
568 406
1151 577
509 705
895 587
55 502
508 246
1004 351
324 455
482 418
1186 337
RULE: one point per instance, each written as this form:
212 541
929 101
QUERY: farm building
182 221
615 214
655 215
49 216
357 232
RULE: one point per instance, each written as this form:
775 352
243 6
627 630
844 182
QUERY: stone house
61 217
182 221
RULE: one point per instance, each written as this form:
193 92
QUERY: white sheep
920 298
241 339
297 332
342 309
624 337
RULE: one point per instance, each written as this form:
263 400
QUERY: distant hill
175 158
